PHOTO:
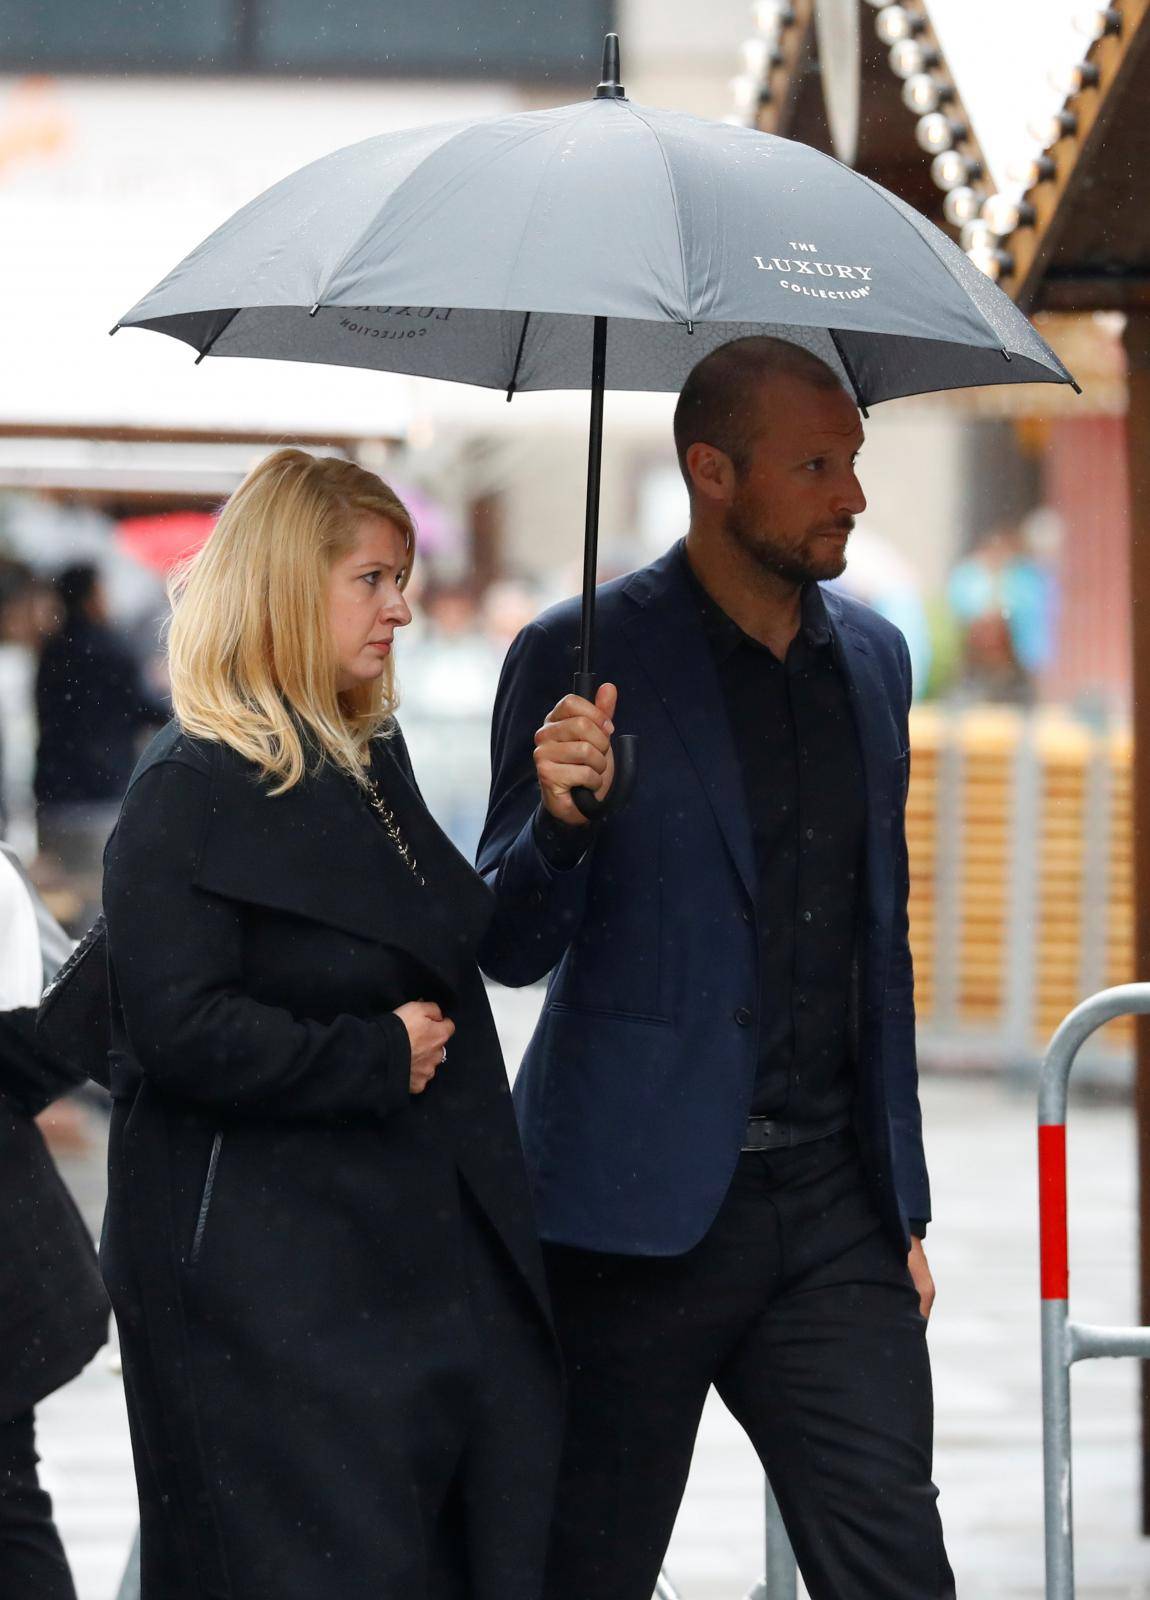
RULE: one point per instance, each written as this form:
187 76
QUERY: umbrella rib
518 355
674 204
850 372
222 329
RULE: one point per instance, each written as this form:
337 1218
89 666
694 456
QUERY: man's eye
816 465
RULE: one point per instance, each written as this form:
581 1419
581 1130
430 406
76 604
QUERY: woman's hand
428 1031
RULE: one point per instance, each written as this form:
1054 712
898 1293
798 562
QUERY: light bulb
896 23
986 260
924 93
771 16
976 236
1092 22
961 205
1001 213
757 54
1067 81
745 92
906 58
936 133
950 168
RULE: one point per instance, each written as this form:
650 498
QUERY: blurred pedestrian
448 694
53 1310
340 1373
92 708
720 1103
1005 604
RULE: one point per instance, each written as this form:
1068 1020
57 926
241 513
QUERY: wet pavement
984 1337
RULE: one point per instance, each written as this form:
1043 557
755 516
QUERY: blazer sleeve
177 958
540 897
911 1182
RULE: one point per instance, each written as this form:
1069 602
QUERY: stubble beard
793 564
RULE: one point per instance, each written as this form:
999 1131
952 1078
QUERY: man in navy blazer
719 1106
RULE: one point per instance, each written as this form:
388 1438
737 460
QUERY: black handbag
74 1020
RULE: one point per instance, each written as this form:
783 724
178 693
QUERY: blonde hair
249 647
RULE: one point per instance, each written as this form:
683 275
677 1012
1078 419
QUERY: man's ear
712 473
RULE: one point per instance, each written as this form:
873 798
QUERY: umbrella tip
610 88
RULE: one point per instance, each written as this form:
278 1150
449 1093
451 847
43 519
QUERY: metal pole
1062 1343
782 1574
130 1583
591 525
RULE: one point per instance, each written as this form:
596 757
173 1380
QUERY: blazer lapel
879 744
667 636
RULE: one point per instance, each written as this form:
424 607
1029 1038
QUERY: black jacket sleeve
177 959
29 1075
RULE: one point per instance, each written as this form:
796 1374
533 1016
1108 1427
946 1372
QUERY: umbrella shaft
594 463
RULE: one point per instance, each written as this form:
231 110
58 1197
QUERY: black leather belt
765 1133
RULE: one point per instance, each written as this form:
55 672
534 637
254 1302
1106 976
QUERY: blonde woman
340 1373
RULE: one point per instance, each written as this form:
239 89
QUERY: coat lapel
667 636
318 852
879 744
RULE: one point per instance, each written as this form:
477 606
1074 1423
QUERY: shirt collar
725 636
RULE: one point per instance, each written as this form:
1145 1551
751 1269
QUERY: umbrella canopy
502 252
481 252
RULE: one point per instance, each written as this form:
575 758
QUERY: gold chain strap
387 816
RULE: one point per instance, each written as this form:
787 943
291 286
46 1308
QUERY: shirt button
801 1001
743 1017
806 916
748 914
810 833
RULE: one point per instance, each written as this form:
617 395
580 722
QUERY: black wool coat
53 1309
283 1243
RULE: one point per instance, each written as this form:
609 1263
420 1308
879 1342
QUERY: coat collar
318 852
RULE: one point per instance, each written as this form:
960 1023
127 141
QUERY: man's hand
428 1031
573 751
920 1276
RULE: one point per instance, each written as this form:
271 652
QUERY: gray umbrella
495 252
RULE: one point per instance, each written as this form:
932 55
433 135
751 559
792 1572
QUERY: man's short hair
717 405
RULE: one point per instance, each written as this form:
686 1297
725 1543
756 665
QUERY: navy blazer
634 1092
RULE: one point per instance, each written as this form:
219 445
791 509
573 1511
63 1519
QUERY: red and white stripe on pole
1053 1240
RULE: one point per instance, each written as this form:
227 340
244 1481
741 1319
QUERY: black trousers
33 1565
801 1312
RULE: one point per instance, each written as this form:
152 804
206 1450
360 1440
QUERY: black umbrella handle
626 751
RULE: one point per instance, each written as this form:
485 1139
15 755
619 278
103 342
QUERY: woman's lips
382 645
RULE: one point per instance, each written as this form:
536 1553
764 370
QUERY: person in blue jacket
719 1106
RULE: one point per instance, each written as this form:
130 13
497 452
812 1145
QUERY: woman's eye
371 579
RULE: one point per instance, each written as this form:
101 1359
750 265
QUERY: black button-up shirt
798 748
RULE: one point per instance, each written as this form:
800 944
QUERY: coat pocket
205 1200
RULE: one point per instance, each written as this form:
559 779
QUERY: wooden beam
1137 339
134 435
796 43
1116 56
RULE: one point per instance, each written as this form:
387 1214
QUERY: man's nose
851 497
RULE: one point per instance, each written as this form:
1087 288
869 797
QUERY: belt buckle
765 1133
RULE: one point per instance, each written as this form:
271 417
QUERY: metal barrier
1063 1341
780 1581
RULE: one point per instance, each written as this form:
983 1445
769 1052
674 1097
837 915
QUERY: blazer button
743 1017
748 914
